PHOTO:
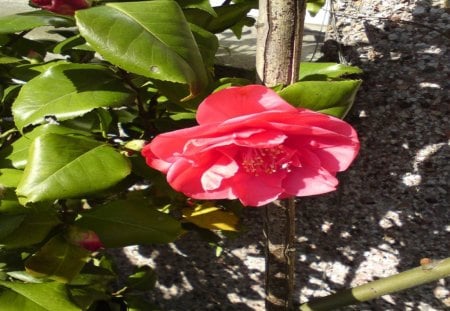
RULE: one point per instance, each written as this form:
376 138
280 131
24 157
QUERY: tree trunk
279 42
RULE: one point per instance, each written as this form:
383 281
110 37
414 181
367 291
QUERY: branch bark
279 43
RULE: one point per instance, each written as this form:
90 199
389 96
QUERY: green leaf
51 296
9 179
62 166
150 38
5 60
75 42
314 6
57 260
16 154
143 279
9 223
27 72
86 296
30 20
207 44
211 217
33 229
331 97
203 5
65 91
227 16
324 71
130 222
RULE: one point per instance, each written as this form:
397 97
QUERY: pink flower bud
87 239
63 7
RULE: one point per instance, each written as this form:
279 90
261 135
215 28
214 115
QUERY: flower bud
63 7
85 238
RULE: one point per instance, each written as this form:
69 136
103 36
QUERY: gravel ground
392 208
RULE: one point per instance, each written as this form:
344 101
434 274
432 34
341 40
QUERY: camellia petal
238 101
253 191
306 181
222 169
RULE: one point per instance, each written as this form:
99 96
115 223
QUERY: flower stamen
259 161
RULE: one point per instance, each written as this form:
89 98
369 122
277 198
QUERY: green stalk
433 271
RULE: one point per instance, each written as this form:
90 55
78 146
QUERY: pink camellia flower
252 145
63 7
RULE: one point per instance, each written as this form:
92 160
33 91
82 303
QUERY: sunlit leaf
130 222
331 97
150 38
62 166
211 217
66 91
324 71
52 296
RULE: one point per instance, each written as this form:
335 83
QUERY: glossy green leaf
150 38
50 296
324 71
62 166
130 222
33 229
58 260
331 97
30 20
65 91
16 154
